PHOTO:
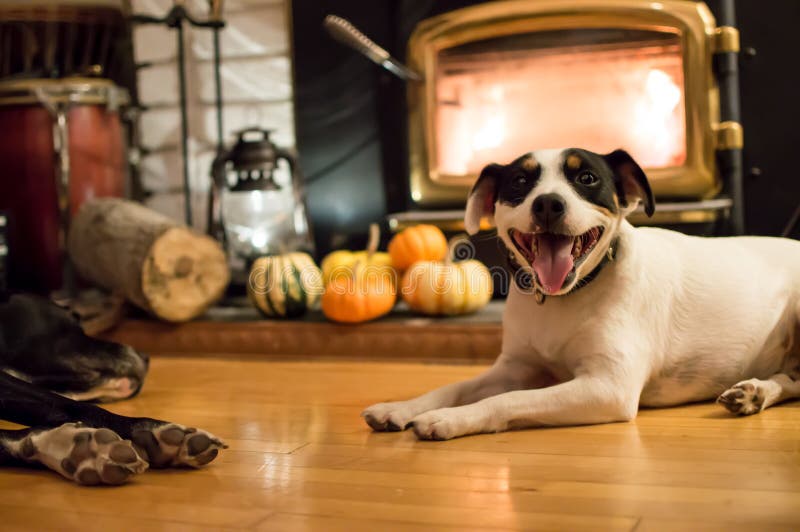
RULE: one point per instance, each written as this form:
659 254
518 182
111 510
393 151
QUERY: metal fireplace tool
175 19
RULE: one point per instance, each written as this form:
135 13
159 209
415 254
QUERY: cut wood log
159 265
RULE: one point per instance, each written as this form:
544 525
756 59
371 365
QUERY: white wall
256 89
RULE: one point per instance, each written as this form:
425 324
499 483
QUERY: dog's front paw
442 424
85 455
170 444
744 398
388 417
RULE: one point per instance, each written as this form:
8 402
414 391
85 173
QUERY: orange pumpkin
359 297
421 242
447 288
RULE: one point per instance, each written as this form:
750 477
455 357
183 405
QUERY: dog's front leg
508 373
583 400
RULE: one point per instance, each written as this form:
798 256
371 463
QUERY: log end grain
183 274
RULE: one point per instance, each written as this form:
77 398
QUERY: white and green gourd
285 286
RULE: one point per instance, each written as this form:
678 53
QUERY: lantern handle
286 155
265 133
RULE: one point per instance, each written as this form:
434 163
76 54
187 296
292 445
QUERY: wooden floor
300 458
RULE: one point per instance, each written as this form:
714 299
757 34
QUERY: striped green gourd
285 286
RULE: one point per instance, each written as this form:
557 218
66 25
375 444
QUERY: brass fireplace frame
700 40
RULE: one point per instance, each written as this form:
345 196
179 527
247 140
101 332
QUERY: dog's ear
631 183
481 199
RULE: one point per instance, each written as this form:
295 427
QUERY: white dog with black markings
614 317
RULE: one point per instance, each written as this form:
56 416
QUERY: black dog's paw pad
106 436
207 457
144 438
68 466
198 444
123 454
82 450
173 436
89 477
116 474
84 455
176 445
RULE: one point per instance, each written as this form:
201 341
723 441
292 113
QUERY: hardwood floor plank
677 525
200 505
16 518
503 516
300 522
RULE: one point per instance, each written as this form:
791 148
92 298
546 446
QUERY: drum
61 143
60 38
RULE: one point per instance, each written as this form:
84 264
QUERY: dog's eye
520 181
587 179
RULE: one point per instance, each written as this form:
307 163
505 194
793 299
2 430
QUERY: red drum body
61 144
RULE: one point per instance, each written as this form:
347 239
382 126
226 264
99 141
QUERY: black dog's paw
744 398
84 455
170 444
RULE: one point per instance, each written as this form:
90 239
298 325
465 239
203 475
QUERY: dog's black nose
549 209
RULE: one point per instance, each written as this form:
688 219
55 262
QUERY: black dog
46 363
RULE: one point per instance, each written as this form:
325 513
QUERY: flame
653 113
491 134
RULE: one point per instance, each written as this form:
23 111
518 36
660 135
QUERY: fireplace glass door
600 89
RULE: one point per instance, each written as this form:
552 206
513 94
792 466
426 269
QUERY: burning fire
655 123
494 108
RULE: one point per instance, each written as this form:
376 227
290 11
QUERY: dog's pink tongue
553 261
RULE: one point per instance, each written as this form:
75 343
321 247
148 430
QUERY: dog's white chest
558 334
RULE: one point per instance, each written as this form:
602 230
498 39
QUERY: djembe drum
61 137
61 143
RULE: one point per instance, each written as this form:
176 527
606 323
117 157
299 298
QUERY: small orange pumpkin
447 288
362 296
414 244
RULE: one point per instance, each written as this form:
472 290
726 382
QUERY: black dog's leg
29 405
161 443
85 455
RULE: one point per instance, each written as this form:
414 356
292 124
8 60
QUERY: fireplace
502 78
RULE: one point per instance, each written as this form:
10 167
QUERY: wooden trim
413 339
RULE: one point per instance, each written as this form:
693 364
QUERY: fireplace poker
344 32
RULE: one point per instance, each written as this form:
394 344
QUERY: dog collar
610 256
